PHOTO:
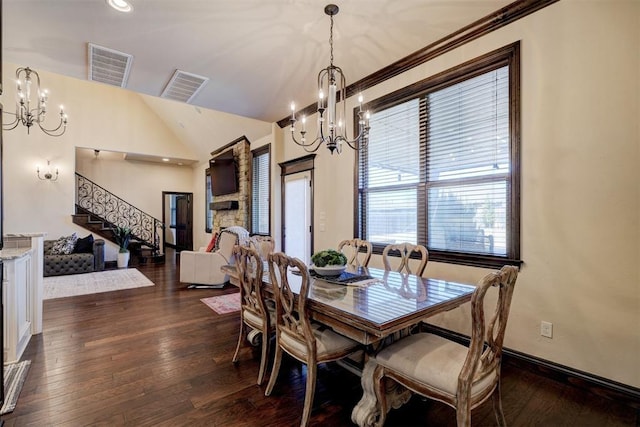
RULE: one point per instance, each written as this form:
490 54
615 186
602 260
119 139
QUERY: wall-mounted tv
224 174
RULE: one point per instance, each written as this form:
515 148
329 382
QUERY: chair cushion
431 360
327 342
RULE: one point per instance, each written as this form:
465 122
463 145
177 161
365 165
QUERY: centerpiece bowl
329 270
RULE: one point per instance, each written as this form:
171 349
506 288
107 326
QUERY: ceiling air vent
183 86
109 66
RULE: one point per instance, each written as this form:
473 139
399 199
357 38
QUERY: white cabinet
17 296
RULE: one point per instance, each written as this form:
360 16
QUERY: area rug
93 283
224 303
14 376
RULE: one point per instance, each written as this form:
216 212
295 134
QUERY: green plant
123 237
328 257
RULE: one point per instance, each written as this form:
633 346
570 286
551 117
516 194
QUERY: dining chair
441 369
406 250
309 342
357 251
255 314
264 245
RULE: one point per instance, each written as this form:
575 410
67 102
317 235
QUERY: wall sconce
47 175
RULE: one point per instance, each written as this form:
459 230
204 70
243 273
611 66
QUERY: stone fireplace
234 209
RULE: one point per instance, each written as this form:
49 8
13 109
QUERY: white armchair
201 269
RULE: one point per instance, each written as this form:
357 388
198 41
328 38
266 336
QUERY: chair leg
277 359
264 357
240 339
496 397
312 369
463 414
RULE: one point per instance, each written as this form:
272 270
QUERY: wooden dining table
372 310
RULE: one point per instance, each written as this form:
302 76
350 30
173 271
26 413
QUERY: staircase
99 211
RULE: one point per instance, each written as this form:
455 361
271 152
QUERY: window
260 191
442 165
208 197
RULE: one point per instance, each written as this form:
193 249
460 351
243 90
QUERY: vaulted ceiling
257 54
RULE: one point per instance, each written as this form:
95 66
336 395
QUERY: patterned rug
93 283
224 303
14 376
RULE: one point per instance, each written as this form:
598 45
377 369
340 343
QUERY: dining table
371 311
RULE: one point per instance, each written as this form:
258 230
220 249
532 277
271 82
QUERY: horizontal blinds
260 194
436 169
393 149
468 165
468 128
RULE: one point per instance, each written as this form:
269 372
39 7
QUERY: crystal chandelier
332 90
27 115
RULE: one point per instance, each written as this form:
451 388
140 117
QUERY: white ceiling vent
109 66
183 86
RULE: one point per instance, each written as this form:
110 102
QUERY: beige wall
580 185
580 178
101 117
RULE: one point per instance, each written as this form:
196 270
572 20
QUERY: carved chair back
485 348
293 324
357 251
250 269
406 250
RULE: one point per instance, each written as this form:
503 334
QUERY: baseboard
600 386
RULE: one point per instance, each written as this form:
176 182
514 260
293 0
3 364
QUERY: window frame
260 151
208 198
506 56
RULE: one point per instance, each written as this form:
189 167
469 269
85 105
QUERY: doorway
177 216
297 208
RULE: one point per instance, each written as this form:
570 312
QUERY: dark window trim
207 175
265 149
508 55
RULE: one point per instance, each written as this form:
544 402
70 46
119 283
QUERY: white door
297 216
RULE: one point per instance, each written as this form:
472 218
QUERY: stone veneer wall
240 216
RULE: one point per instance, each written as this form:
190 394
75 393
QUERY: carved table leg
367 411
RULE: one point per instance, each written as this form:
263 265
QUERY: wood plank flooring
157 356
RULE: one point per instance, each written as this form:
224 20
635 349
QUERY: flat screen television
224 174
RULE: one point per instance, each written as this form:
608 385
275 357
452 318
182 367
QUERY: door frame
290 167
189 230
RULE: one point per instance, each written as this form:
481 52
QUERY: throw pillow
84 245
64 245
212 243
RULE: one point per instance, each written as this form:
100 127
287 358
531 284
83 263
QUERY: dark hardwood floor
157 356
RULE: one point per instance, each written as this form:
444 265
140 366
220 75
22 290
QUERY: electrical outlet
546 329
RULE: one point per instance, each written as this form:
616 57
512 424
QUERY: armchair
201 269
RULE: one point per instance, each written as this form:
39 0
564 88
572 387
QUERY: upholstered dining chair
441 369
309 342
406 250
358 252
255 313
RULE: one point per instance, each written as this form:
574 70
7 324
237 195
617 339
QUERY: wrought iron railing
117 212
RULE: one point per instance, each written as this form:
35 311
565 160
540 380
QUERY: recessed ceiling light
120 5
165 159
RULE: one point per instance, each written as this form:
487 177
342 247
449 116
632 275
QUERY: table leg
368 412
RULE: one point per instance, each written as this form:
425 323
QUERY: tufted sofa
57 265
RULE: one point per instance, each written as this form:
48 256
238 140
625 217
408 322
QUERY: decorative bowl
330 270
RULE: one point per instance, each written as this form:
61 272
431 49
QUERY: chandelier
332 90
27 115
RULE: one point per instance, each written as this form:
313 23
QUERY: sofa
202 269
73 263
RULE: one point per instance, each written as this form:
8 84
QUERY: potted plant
329 262
122 236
